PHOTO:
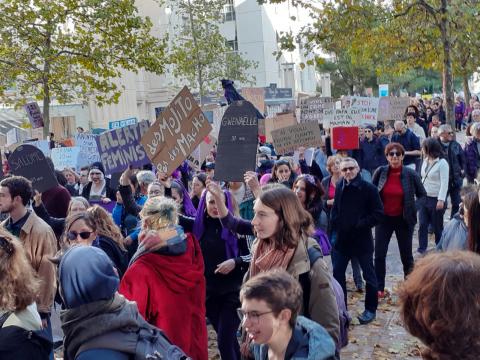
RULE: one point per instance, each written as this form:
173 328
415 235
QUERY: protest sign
120 148
278 122
345 138
107 206
43 145
256 96
65 157
392 108
29 162
291 138
34 114
345 117
237 142
196 158
218 113
13 136
88 149
176 133
312 109
368 107
383 90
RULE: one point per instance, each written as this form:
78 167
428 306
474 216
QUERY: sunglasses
394 153
350 168
72 235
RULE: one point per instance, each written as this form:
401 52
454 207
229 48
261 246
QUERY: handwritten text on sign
88 149
121 147
178 130
346 117
313 109
290 138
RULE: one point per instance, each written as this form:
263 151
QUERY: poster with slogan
66 157
289 139
176 133
196 158
119 148
237 142
43 145
30 162
368 107
392 108
88 149
278 122
314 109
34 114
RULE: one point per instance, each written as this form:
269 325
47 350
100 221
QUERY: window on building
63 126
229 11
233 44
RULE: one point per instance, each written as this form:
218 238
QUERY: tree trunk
448 93
466 89
197 55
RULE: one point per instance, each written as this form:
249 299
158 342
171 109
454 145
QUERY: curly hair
105 225
19 284
439 304
293 220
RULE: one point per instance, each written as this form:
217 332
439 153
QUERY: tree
201 54
72 50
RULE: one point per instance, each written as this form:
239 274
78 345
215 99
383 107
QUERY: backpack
313 255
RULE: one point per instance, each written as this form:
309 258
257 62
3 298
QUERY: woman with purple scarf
226 260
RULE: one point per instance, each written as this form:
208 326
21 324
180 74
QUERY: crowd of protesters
250 258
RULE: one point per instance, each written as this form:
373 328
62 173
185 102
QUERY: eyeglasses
394 153
72 235
253 316
350 168
6 246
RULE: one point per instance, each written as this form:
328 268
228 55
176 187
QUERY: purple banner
121 147
108 206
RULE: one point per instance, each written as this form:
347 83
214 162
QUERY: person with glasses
357 208
270 315
20 322
37 238
398 186
409 141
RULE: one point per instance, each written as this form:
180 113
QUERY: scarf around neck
267 257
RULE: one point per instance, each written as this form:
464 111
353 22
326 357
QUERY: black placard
237 142
29 162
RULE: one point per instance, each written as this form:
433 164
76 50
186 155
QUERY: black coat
356 209
412 186
18 343
456 162
110 193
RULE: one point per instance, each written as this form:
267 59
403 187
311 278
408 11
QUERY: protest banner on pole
178 130
88 149
278 122
290 138
392 108
66 157
34 114
312 109
121 147
29 162
196 158
237 142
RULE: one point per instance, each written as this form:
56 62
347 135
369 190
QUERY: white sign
368 107
88 149
346 117
43 145
66 157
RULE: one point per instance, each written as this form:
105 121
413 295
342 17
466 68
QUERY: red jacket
170 294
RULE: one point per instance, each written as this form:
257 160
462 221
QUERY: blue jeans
340 263
428 214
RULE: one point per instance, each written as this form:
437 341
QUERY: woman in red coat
166 280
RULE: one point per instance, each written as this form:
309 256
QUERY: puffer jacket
309 341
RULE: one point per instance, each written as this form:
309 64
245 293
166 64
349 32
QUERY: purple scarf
188 208
231 241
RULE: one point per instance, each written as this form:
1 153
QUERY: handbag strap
428 170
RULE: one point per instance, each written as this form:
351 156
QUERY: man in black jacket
456 162
357 209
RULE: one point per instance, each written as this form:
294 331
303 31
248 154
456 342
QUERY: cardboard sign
237 142
312 109
196 158
256 96
345 138
29 162
178 130
120 148
34 115
392 108
66 157
368 107
345 117
88 149
291 138
278 122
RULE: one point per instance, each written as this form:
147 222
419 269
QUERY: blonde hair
159 212
80 199
19 284
105 225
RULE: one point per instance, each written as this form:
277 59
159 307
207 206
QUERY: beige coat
40 245
322 304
